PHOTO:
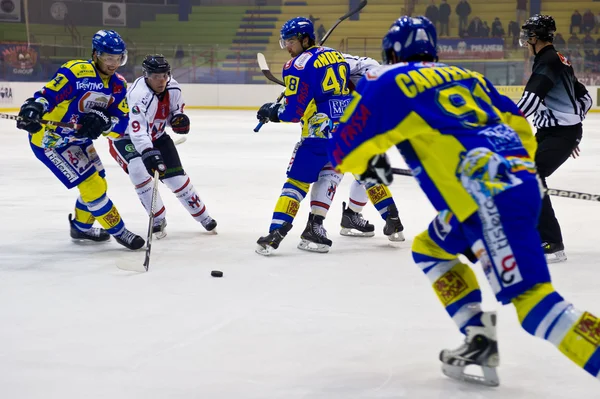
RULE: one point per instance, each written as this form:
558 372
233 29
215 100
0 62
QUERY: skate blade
556 257
489 378
313 247
356 233
264 251
159 235
396 237
85 241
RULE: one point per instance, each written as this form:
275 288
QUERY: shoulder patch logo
563 59
135 110
288 64
301 60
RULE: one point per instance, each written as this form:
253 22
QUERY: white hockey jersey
359 66
148 114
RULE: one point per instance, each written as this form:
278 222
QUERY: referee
559 103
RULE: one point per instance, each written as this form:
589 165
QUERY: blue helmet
109 42
409 37
296 28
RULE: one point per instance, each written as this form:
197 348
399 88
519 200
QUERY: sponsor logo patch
449 287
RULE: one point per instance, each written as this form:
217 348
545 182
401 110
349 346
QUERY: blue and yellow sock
545 314
454 282
83 220
288 204
381 197
93 196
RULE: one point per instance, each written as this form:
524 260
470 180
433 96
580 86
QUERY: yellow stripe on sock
527 301
582 340
455 284
110 218
378 193
287 205
84 217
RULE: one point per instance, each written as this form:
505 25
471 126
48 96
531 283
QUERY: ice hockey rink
359 322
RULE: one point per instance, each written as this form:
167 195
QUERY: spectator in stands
497 29
559 41
444 16
320 33
588 42
475 28
573 42
485 31
588 21
575 21
179 55
432 13
514 30
521 11
597 20
463 10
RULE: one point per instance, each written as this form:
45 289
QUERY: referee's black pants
555 145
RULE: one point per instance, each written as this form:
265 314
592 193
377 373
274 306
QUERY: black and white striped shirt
553 93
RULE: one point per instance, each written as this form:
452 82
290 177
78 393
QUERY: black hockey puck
216 273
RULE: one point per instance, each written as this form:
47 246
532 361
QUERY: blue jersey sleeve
62 87
298 91
119 109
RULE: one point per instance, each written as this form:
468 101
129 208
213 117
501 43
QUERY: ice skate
95 234
210 224
554 252
354 225
314 237
479 349
130 240
159 228
393 226
270 242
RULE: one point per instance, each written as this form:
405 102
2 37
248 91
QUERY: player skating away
471 151
156 103
559 102
92 94
316 95
353 224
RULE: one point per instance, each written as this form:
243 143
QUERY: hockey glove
180 123
94 123
31 112
379 171
153 160
269 112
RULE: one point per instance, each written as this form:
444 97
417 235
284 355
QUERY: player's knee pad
425 247
92 188
138 174
177 183
323 191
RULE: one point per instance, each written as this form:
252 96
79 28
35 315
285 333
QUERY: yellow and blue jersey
438 116
74 90
316 91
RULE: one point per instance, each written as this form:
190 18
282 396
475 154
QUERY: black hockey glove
31 112
180 123
269 112
153 161
94 123
379 171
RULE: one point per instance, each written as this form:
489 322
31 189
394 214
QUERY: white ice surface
359 322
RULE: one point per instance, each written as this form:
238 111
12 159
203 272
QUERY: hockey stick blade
264 67
73 126
549 191
350 13
180 140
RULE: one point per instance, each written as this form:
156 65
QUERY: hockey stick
264 67
74 126
180 140
144 268
548 191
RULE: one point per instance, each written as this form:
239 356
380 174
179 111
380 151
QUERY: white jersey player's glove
379 171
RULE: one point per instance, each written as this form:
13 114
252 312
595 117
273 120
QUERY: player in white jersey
155 102
353 224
